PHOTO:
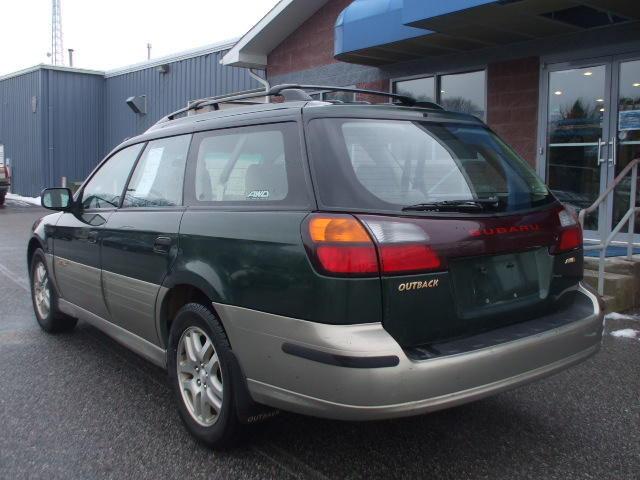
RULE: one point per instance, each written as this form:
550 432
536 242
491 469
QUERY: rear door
140 239
77 236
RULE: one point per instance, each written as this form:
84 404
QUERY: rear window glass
392 164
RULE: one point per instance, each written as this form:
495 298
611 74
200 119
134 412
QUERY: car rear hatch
485 273
467 237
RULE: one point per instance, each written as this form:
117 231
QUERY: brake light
341 245
348 259
570 239
408 258
570 236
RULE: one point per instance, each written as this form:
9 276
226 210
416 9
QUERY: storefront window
464 92
421 89
345 97
459 92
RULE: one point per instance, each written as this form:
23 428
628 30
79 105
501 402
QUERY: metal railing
629 217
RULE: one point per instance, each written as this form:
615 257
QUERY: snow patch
626 333
621 316
19 198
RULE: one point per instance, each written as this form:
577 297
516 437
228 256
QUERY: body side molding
139 345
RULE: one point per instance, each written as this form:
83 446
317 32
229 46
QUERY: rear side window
104 189
159 175
258 164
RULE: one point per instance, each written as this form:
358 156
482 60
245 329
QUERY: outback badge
403 287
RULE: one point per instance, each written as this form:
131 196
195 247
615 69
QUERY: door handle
600 159
92 237
162 244
614 151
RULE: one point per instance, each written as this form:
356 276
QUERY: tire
2 196
50 319
214 422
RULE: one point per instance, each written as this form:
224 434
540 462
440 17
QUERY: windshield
390 165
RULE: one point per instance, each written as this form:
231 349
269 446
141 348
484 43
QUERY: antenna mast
57 51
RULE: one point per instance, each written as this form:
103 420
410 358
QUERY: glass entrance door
577 129
626 139
591 128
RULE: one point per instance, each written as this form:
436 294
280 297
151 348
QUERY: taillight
570 236
403 247
340 245
348 259
570 239
408 258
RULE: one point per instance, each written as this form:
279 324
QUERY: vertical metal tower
57 50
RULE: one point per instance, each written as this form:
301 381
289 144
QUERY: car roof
282 111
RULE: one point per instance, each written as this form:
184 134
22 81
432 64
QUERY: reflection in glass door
627 125
577 129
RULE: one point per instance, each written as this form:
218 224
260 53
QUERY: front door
140 240
591 130
76 246
77 236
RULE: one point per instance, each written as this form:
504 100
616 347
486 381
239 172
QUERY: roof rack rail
290 93
403 99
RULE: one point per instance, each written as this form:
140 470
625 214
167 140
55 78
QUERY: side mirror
59 199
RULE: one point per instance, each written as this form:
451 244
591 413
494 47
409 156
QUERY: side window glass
105 188
247 165
158 178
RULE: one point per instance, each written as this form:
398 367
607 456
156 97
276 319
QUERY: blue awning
415 11
366 23
387 31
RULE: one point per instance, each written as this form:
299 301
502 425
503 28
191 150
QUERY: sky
110 34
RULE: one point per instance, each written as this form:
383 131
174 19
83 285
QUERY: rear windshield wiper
474 205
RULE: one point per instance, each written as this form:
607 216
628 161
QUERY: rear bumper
359 372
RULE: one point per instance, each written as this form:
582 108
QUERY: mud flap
247 410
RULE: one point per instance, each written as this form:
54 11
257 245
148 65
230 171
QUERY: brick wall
309 46
512 86
512 103
380 85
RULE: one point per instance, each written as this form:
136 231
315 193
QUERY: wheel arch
177 291
34 244
187 287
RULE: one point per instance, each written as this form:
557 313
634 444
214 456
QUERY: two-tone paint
308 342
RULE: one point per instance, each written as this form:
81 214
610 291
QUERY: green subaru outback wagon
347 261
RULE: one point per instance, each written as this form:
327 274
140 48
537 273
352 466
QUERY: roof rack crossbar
403 99
203 102
293 92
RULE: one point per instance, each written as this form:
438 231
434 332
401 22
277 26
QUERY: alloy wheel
199 376
41 290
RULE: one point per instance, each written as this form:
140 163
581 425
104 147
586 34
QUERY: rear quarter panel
257 260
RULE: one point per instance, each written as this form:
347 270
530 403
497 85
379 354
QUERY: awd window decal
258 194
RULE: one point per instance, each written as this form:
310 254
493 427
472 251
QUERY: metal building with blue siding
168 84
60 122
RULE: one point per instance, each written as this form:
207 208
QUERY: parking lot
80 406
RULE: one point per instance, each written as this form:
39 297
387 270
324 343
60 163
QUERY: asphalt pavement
79 405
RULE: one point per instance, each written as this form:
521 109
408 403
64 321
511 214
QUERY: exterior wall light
138 104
